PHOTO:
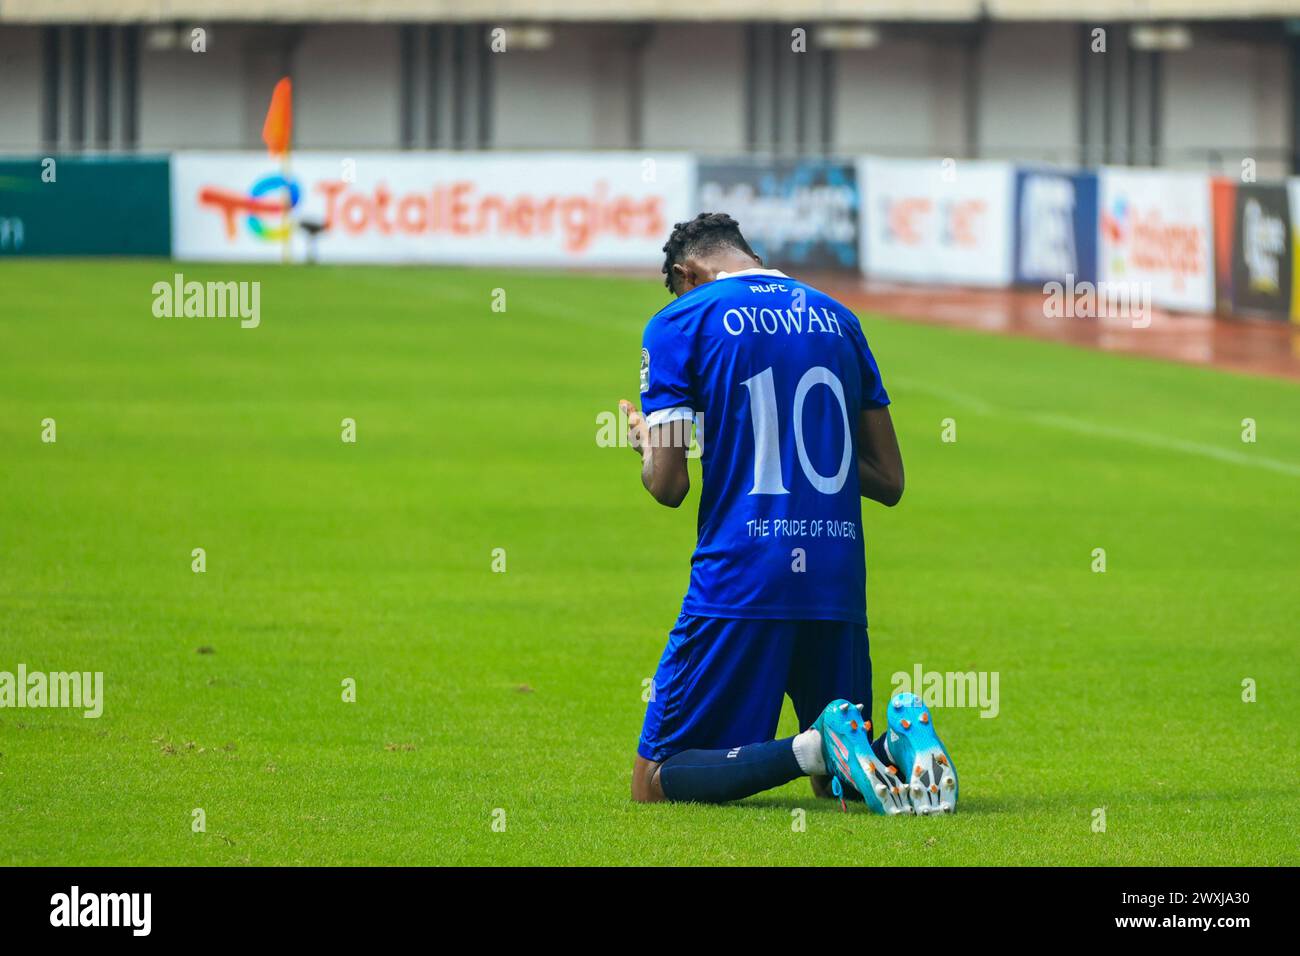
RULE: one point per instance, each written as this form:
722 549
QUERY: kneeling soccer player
794 427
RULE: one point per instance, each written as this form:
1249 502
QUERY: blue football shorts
721 681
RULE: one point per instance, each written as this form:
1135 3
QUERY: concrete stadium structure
1193 84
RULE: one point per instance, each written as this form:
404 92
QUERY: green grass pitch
521 691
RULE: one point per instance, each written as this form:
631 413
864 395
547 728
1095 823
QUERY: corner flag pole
286 248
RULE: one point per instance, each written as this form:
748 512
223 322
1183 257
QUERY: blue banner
1055 225
797 214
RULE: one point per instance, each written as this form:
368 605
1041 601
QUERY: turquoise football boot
914 746
853 765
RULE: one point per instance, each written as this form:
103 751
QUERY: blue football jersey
774 374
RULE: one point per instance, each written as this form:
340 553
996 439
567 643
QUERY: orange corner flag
278 128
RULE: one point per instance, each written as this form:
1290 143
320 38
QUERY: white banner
1156 228
936 220
600 209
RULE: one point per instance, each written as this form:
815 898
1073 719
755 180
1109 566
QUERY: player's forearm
668 487
879 484
880 463
663 457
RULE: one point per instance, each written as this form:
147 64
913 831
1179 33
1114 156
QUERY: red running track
1250 346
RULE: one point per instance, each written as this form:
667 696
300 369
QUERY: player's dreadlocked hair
704 233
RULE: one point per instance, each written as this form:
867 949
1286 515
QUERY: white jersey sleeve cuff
665 415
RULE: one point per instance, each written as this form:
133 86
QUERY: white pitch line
973 402
1084 427
1151 440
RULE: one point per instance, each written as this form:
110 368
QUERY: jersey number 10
767 432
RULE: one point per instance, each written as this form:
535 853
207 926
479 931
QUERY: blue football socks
716 776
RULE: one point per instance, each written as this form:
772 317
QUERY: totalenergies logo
464 209
460 209
273 195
